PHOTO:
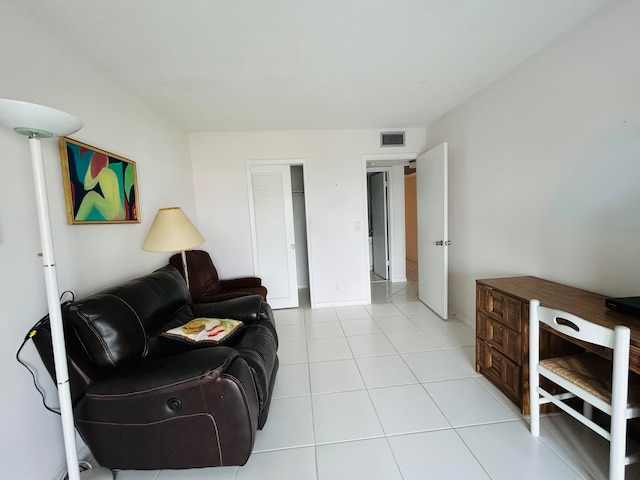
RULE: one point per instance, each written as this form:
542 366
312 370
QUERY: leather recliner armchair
206 286
144 401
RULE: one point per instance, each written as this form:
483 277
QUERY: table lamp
36 122
172 231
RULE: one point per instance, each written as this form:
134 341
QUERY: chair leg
534 409
618 447
534 377
535 419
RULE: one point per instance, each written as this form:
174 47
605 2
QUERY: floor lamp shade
172 231
36 122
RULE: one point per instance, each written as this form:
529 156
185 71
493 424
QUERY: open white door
274 254
433 235
379 228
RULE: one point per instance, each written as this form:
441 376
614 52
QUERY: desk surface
587 305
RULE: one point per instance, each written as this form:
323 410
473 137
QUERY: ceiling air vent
392 139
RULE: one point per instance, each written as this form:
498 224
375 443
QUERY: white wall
336 201
41 69
545 166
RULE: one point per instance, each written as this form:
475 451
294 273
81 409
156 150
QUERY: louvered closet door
274 253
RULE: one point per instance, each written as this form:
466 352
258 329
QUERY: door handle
441 243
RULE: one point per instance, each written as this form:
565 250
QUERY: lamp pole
36 122
55 311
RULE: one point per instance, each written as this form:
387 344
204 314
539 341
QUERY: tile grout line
313 424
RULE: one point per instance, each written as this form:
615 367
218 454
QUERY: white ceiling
226 65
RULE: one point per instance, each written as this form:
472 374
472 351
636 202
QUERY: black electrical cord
33 376
31 333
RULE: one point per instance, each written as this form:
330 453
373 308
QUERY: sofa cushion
115 324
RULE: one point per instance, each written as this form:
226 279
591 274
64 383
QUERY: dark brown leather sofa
144 401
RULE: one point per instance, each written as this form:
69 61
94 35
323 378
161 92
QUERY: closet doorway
279 228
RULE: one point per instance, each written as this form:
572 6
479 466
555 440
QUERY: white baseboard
342 304
466 321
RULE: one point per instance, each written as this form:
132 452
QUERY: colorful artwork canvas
99 187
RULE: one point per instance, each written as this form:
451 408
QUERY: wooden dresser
502 329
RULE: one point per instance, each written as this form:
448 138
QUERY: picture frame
99 187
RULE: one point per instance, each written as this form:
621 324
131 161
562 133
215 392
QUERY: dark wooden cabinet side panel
500 337
499 344
511 312
501 371
500 307
481 298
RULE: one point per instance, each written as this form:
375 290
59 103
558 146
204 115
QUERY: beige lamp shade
172 231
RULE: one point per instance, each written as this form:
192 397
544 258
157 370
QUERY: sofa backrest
114 325
203 276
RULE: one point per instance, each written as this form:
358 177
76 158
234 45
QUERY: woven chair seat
590 372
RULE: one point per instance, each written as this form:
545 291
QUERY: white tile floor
389 391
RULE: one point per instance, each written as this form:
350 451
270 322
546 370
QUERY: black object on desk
628 305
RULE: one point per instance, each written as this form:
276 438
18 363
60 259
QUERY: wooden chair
598 382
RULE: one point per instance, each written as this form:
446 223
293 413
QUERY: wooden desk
502 329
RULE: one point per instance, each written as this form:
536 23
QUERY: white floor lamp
36 122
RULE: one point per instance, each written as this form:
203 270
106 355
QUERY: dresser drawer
503 372
500 337
500 307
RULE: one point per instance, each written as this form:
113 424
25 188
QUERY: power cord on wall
32 332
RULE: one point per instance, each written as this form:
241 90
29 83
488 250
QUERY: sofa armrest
246 309
238 283
164 372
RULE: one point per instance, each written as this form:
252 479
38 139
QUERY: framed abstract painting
99 187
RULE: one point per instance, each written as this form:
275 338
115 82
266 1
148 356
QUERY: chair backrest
617 338
572 325
203 276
